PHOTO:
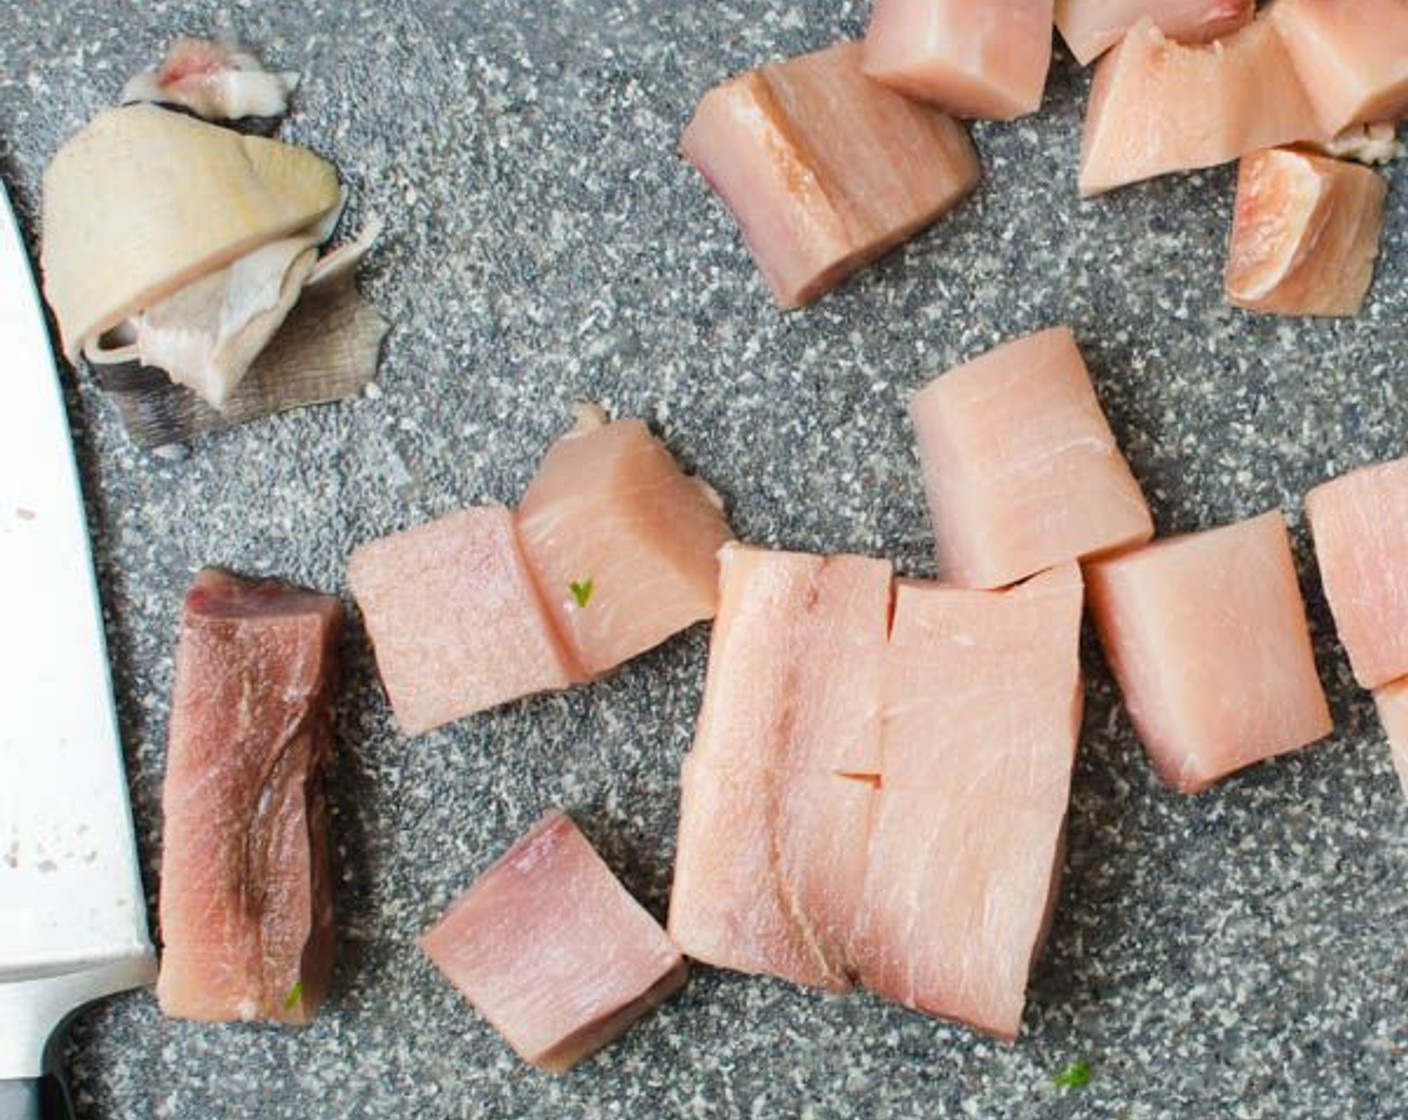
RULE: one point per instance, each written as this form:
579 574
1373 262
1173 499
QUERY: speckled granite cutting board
1238 954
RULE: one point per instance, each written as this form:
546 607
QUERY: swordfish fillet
969 59
1305 235
1157 106
776 791
1020 467
1352 56
1207 636
824 169
552 950
611 512
1359 522
1091 27
983 705
246 893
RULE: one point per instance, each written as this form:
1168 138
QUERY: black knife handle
35 1098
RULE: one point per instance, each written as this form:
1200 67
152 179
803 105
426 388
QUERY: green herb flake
295 994
1074 1076
581 592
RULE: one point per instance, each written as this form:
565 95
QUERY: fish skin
1090 29
1158 107
825 170
455 618
1207 636
1021 469
246 887
972 60
965 852
1305 234
612 505
551 949
1351 55
1359 523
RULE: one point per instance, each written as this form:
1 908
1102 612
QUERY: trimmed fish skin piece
455 619
1392 704
983 705
1359 523
825 170
1090 29
612 506
1207 636
971 60
1020 467
1158 107
552 950
246 887
217 81
1352 56
1305 234
777 788
769 870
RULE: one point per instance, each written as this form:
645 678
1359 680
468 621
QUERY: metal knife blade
72 917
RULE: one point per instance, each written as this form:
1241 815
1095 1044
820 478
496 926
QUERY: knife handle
35 1098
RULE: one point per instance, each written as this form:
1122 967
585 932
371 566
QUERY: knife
73 924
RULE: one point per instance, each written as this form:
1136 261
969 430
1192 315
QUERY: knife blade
73 921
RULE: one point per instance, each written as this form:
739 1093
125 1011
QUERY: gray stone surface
1241 953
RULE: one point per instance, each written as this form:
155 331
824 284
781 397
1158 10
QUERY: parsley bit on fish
581 592
295 994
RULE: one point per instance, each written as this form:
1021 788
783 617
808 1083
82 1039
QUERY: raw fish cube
455 618
1352 56
1021 469
1207 636
552 951
769 870
1360 525
790 627
1157 106
1306 234
246 888
824 169
970 59
982 714
611 512
1091 29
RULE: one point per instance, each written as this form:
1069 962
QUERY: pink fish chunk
773 819
769 870
1090 29
1392 703
969 59
1157 106
551 949
1359 522
455 619
1208 639
790 625
246 891
1352 56
983 706
824 169
1306 234
621 542
1020 467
